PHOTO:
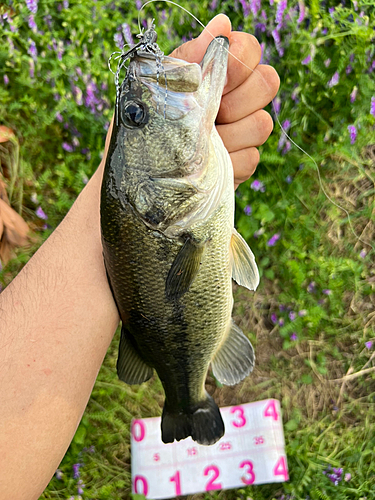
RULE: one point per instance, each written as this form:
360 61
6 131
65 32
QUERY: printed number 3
241 420
249 471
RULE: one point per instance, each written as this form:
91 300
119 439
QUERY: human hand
241 122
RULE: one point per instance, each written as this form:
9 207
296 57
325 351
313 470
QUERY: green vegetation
312 319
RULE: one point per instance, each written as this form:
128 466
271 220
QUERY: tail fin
203 423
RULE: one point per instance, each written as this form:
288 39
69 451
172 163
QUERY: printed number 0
249 471
142 480
138 430
211 485
240 415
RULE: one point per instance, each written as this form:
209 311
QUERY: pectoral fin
234 359
130 366
184 269
244 268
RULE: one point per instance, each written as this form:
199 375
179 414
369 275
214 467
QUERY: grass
324 380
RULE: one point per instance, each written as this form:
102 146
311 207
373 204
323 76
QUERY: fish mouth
177 87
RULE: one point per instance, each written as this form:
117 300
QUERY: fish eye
134 114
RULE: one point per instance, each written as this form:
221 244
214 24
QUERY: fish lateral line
274 109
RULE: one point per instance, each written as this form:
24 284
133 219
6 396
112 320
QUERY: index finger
244 56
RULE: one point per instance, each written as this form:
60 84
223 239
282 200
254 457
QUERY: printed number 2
240 416
211 485
271 411
176 479
249 471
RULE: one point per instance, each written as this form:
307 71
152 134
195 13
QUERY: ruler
252 451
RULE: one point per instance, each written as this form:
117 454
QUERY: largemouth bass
169 243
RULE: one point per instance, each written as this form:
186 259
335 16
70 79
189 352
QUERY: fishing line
274 109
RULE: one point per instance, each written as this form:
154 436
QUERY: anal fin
130 366
184 269
235 358
244 269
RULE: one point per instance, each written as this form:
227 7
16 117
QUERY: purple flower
66 4
32 49
119 41
293 336
368 344
281 6
287 148
272 241
58 474
292 315
363 254
348 476
264 15
352 133
255 6
327 62
32 5
286 125
59 117
301 7
353 95
372 109
138 4
307 60
248 210
245 7
276 37
6 80
80 487
40 213
258 186
67 147
261 27
331 10
302 312
288 179
76 472
334 80
126 31
277 105
311 287
213 4
335 476
274 318
32 23
78 96
281 321
326 291
282 308
348 69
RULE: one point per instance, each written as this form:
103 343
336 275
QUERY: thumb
194 50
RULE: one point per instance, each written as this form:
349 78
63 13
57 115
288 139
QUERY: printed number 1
176 479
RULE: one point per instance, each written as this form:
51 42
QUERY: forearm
57 319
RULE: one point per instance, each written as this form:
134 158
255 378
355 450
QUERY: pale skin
58 316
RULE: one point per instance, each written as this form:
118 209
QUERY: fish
169 244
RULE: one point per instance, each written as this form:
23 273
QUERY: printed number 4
270 410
